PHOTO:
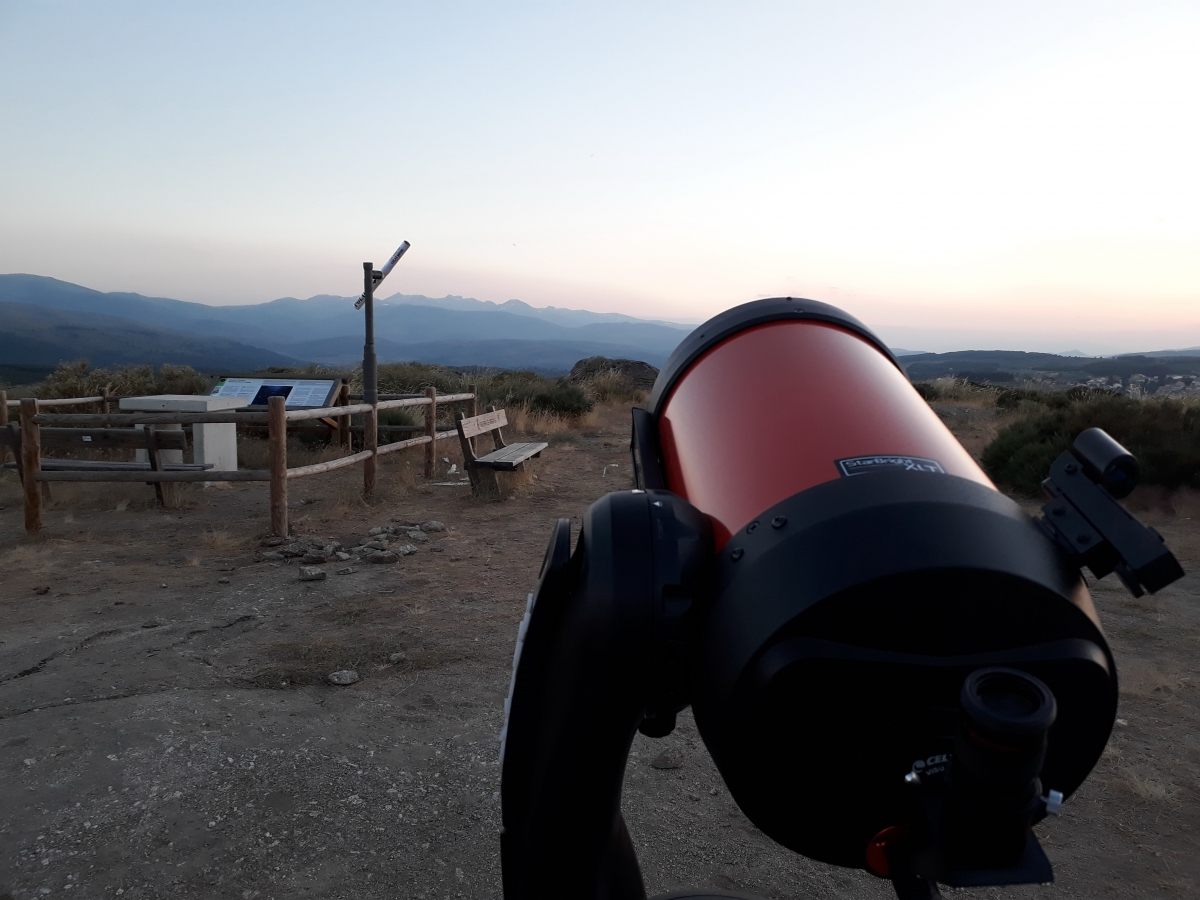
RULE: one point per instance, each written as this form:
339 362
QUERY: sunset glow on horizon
958 176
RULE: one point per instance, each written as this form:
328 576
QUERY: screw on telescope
737 554
779 521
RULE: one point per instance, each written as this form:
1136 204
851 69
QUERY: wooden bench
505 458
141 437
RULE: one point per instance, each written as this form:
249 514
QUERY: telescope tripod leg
914 887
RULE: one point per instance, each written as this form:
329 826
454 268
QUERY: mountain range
44 321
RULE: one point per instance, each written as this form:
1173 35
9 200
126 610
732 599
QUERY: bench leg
483 481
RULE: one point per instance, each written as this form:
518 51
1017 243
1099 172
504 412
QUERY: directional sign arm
378 277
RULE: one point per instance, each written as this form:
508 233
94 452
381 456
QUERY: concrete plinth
211 443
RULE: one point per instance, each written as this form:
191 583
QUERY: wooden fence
276 419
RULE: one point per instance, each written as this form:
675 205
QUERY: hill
328 328
35 336
1012 365
548 357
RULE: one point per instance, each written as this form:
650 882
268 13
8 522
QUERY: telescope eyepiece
1007 708
1107 462
998 758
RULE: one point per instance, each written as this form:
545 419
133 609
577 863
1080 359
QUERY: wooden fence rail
276 418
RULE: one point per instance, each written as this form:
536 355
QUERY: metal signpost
372 278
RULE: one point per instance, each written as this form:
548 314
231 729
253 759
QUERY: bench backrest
477 425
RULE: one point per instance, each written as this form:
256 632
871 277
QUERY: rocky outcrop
639 374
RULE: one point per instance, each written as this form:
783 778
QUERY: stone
293 551
405 549
311 573
396 658
639 375
376 545
152 623
272 541
432 526
418 536
668 759
314 557
222 581
349 570
343 677
378 529
342 555
382 556
272 556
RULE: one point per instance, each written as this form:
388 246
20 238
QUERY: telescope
893 666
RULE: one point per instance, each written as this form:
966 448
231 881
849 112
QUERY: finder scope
893 667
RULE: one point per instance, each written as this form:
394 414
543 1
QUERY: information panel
300 393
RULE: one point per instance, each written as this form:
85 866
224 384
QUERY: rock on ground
640 374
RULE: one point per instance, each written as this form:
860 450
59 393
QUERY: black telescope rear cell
866 567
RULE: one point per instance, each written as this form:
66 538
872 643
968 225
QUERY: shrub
1163 434
75 379
612 386
499 387
957 389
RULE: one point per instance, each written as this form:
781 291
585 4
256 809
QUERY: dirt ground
164 729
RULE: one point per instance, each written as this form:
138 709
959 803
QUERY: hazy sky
956 174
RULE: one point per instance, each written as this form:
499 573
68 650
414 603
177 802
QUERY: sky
1018 175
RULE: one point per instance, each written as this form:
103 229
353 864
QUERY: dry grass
958 390
35 560
612 387
1153 790
548 425
220 541
255 453
1140 679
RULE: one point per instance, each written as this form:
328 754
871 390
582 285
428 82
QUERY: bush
75 379
957 389
1163 434
612 386
499 387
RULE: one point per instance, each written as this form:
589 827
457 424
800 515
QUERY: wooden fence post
103 404
277 440
371 442
31 463
431 432
344 421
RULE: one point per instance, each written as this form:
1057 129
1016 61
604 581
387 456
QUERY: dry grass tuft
612 386
958 390
1153 790
224 541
